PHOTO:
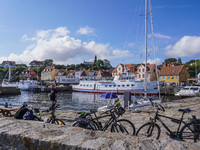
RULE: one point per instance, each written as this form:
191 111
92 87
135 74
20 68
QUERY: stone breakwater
22 135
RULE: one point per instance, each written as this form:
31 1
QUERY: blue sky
71 31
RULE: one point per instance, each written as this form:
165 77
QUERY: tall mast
9 76
145 77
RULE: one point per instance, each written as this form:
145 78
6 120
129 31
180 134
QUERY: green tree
170 60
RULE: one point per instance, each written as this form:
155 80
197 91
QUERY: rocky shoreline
20 134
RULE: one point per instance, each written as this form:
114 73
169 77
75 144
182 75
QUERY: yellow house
48 73
174 74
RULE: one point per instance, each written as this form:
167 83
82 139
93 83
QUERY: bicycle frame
112 119
179 121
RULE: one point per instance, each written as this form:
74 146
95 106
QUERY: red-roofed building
174 74
30 74
151 72
130 69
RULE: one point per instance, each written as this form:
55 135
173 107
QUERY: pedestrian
53 97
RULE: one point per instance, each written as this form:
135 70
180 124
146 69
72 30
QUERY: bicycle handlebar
158 106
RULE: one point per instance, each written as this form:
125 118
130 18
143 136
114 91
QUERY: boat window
195 89
127 85
118 85
132 84
123 85
80 84
110 85
105 85
83 84
90 85
185 89
114 85
87 85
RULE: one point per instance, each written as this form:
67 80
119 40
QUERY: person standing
53 97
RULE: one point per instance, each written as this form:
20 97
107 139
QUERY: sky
74 31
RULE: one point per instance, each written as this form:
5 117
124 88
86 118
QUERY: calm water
67 100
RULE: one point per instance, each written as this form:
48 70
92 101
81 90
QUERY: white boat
121 83
189 91
27 85
9 83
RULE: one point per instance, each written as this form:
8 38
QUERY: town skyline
70 32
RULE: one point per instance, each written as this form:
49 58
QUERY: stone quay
34 135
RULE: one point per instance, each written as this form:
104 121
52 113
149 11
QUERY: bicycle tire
59 122
187 134
153 128
123 126
84 124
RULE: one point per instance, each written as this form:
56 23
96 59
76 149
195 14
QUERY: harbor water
67 100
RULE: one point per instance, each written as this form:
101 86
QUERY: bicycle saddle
187 110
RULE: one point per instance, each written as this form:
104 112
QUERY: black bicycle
91 121
52 119
190 130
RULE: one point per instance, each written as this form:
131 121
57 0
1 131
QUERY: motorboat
189 91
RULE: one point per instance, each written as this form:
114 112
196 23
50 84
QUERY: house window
143 75
139 76
71 74
142 70
176 77
160 77
172 77
168 77
139 70
164 77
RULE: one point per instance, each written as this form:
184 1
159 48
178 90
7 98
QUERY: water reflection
67 100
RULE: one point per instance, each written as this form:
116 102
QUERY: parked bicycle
52 119
92 121
190 130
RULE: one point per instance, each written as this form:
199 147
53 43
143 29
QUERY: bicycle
87 121
190 130
52 119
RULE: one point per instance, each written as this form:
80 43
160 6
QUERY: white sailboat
9 83
144 101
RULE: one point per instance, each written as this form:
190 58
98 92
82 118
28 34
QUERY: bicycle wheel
149 130
190 131
83 124
123 126
59 122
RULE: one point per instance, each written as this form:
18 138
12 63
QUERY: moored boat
121 83
189 91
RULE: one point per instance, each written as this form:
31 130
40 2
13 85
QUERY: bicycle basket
119 111
195 127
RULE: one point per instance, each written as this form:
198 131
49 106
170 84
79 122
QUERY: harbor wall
33 135
9 90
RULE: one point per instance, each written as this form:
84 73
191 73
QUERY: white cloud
153 61
56 44
187 46
131 44
160 36
121 53
86 31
